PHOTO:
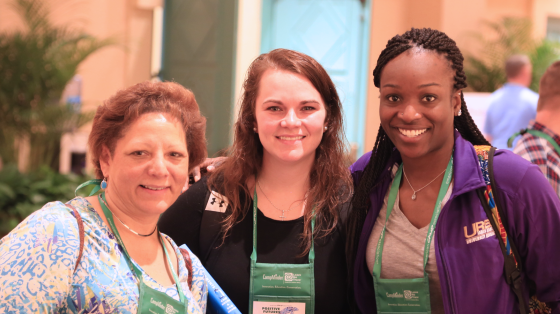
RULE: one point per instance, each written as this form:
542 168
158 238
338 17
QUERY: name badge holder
407 295
281 288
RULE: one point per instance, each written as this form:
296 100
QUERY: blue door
335 33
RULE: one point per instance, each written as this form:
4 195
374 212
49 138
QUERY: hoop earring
104 183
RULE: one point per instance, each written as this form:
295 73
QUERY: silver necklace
420 189
283 216
127 227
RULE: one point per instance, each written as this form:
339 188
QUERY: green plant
36 64
485 70
23 193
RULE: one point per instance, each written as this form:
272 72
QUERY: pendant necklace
420 189
284 211
127 227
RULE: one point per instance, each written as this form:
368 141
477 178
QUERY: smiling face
418 103
149 165
290 116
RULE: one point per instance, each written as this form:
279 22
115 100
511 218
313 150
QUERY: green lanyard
281 288
150 300
537 134
407 295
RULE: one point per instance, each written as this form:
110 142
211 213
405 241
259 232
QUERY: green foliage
36 64
485 71
22 194
542 57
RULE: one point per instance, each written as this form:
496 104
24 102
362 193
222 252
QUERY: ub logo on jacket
478 231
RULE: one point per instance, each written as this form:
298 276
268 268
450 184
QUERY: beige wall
459 19
541 10
128 22
128 61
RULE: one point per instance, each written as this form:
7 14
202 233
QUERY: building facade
207 45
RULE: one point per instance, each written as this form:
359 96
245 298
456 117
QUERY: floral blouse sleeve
37 260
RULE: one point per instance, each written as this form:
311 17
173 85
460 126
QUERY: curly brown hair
329 178
122 109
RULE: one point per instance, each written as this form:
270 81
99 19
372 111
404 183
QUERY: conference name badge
260 307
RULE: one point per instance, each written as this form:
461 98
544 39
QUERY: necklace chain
283 216
127 227
420 189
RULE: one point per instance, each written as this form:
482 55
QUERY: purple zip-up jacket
472 275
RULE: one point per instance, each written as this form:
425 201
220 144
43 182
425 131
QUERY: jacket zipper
449 288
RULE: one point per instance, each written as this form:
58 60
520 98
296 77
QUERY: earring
326 127
104 183
255 130
459 113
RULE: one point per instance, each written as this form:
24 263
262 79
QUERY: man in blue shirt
513 105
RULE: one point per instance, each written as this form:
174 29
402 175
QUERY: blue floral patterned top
37 262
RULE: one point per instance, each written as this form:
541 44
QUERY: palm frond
510 35
36 65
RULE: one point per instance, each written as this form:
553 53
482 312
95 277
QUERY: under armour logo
217 202
214 201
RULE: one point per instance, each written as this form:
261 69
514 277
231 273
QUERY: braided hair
427 39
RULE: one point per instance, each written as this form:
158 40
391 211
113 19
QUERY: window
553 28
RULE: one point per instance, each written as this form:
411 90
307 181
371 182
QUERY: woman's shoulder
178 249
512 173
199 288
49 217
197 268
196 192
55 222
361 163
206 194
47 241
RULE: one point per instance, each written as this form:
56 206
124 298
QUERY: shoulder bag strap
516 134
536 133
500 209
188 263
81 233
493 209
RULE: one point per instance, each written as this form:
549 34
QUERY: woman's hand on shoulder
207 166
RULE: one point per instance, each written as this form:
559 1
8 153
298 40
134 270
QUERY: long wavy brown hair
329 179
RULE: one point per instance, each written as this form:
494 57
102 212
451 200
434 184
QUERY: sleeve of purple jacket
532 211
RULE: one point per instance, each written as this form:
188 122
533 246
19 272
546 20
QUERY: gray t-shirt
403 251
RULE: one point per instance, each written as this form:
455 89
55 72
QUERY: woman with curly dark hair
285 174
420 236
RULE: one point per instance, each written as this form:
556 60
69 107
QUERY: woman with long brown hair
285 174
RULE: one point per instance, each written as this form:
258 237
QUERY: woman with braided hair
419 238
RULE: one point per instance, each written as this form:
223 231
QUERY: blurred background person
540 143
105 254
512 106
